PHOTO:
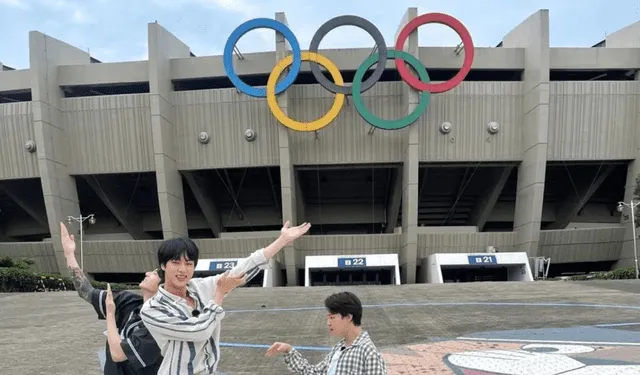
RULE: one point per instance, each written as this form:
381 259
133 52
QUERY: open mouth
181 278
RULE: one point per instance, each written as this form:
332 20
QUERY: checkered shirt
362 358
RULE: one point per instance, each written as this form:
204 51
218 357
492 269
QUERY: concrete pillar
395 200
287 172
163 47
58 187
629 37
533 36
483 208
410 168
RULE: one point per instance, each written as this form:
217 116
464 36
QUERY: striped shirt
190 340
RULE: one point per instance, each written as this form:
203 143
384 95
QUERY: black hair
175 248
160 272
345 304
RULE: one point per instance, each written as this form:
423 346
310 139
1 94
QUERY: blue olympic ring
261 23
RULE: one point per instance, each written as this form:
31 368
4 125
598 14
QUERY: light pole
632 205
81 219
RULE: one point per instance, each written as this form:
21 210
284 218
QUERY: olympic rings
421 83
261 23
287 121
348 21
372 119
459 28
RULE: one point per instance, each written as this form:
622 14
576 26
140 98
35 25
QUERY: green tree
24 264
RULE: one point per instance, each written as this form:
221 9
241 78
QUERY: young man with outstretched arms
184 316
130 348
354 354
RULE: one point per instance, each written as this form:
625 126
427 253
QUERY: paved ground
482 328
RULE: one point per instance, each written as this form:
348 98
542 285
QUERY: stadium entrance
212 267
466 274
352 270
379 276
464 268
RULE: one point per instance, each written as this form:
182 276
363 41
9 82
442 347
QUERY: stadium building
531 154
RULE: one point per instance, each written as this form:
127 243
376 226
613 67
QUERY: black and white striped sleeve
251 265
99 301
166 324
98 298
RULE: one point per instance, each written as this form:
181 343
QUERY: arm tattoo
81 283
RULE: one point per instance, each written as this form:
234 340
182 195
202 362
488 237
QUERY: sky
116 30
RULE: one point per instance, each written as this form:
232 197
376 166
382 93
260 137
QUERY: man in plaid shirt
354 354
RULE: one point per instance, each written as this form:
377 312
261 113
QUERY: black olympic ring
360 23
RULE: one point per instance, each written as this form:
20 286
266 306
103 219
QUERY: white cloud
20 4
204 25
243 8
82 17
240 6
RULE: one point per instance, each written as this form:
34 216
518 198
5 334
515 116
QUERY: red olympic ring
446 20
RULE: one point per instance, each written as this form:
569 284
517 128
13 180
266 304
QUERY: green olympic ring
425 96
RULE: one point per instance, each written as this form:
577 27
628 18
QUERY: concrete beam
163 46
461 186
30 206
573 203
395 200
59 189
202 191
629 37
301 206
410 169
533 36
287 172
485 205
118 205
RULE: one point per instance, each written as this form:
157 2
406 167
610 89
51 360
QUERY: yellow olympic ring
287 121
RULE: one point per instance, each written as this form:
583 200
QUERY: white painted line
617 325
551 341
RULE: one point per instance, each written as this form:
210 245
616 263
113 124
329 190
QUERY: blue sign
222 266
352 262
482 259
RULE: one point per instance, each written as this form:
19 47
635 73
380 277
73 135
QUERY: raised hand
277 348
226 282
111 306
290 234
68 242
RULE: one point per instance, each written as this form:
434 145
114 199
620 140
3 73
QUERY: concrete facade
119 127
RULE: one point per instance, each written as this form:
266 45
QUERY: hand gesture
68 242
277 348
111 306
290 234
226 282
